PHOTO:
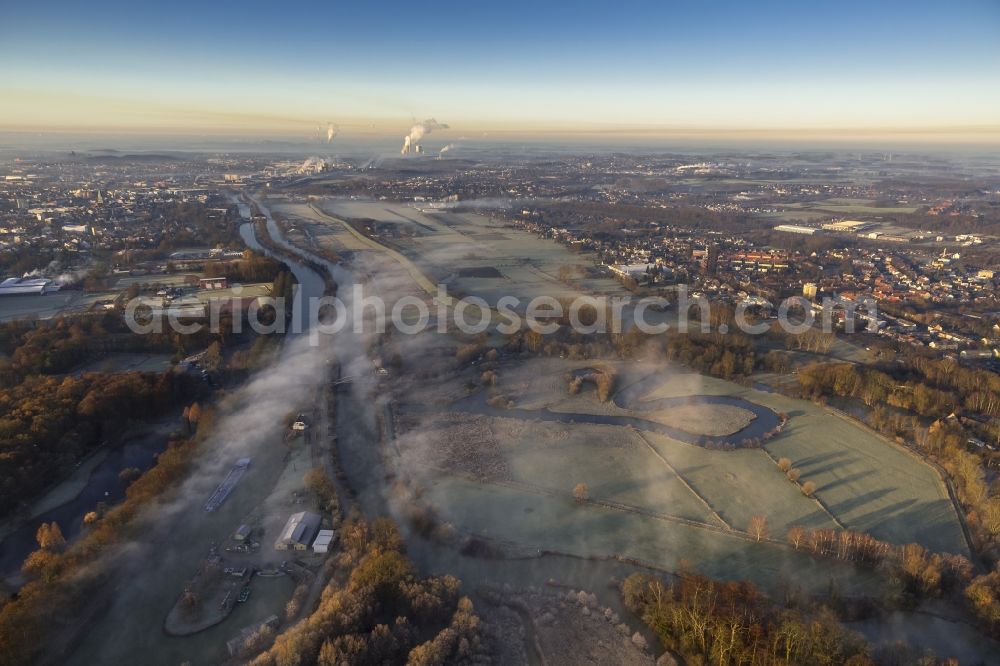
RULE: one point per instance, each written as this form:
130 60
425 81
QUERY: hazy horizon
20 143
897 72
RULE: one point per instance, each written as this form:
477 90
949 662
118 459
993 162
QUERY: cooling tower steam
417 132
327 133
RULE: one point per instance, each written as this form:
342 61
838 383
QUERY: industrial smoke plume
314 165
446 149
417 132
331 132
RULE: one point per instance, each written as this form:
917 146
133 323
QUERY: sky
903 68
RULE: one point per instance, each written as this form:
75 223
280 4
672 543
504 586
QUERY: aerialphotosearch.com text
361 312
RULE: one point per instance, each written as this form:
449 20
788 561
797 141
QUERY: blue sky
511 66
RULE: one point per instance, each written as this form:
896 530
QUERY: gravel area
566 628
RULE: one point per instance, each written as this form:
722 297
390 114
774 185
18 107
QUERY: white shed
323 541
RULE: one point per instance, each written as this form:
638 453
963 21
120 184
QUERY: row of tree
252 267
926 387
63 344
732 623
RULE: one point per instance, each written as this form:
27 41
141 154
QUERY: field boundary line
607 504
820 503
715 514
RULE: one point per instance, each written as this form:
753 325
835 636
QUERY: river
310 285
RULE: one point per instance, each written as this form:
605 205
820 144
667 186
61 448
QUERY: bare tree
784 464
581 493
758 527
794 474
808 488
795 536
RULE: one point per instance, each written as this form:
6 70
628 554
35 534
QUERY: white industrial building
629 270
17 286
796 229
323 541
299 531
848 226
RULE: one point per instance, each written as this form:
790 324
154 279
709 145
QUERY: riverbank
97 481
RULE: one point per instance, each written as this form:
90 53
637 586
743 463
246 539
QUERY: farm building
298 532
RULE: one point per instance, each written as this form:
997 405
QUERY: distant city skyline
904 71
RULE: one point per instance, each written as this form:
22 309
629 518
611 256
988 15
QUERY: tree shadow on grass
850 478
859 501
817 459
879 522
931 524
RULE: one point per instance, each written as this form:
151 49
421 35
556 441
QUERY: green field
868 483
445 242
864 210
614 462
741 484
560 524
816 210
795 215
687 502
